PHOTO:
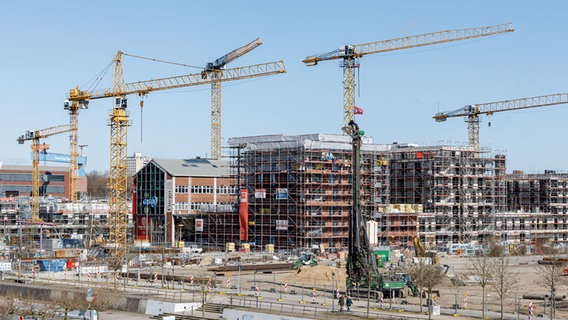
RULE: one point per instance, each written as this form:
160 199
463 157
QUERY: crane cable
163 61
92 84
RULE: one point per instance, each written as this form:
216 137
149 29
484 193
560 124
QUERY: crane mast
118 122
350 55
473 112
214 68
73 109
118 201
35 137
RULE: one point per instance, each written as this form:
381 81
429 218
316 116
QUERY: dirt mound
320 275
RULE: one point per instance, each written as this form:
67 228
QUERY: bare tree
481 268
504 279
204 287
8 307
417 273
550 276
98 184
428 276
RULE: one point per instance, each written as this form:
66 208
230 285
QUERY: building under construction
543 201
300 190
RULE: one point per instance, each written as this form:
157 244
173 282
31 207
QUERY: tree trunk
429 304
483 302
420 294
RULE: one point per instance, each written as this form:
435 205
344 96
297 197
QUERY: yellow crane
35 137
472 112
350 55
214 70
118 123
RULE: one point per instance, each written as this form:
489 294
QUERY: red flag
357 110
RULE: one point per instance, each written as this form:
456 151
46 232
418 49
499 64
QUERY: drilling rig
363 276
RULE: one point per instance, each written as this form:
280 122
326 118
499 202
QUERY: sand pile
206 261
320 275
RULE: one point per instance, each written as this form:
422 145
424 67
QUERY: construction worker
348 303
341 303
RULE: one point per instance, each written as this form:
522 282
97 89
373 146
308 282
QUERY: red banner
143 230
243 215
133 200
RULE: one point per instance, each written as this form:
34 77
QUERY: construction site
321 216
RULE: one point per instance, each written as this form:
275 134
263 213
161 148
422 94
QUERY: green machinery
363 276
305 259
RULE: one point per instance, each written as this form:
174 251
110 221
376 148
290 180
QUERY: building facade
16 181
190 200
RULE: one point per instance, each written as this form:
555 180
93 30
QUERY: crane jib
147 86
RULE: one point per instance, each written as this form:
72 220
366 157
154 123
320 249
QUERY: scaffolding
460 188
299 193
300 190
545 198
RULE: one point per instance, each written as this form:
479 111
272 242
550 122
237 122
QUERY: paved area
245 282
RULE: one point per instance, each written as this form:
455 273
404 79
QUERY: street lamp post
239 279
333 291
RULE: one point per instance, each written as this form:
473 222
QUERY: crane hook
141 117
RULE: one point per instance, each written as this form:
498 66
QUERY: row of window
205 207
207 189
25 177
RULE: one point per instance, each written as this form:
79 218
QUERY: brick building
189 200
16 181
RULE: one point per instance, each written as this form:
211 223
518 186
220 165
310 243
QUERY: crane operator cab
120 103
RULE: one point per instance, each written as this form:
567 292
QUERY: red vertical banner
143 230
243 215
134 200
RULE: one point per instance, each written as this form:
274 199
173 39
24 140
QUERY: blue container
51 264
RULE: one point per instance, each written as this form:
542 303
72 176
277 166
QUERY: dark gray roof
193 167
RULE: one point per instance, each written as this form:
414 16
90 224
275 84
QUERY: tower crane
35 137
472 112
78 99
350 55
214 68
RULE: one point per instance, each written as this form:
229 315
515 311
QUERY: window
202 189
335 196
227 190
181 189
182 206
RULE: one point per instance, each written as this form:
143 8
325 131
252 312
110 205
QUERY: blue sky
49 47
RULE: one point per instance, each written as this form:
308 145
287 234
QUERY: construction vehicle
363 276
381 256
305 259
119 122
350 55
422 255
35 137
472 112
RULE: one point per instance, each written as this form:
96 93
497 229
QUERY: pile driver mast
362 270
119 122
35 137
472 112
350 55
